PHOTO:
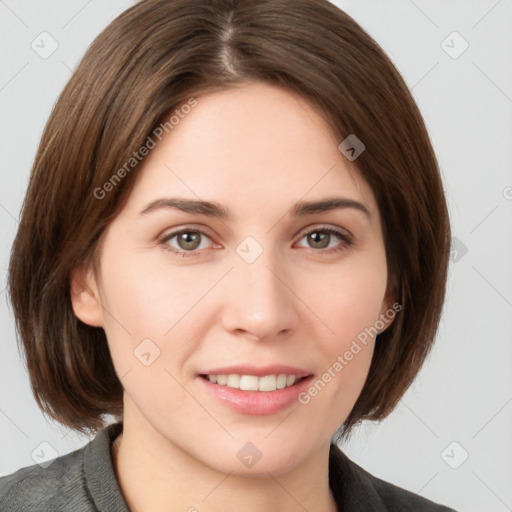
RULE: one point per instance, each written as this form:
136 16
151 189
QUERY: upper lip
258 371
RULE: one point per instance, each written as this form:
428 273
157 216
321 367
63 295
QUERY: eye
188 241
321 238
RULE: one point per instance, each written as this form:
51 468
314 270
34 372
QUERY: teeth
233 381
290 380
267 383
281 381
248 383
254 383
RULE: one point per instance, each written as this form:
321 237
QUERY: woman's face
264 291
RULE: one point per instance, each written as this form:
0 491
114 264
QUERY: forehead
254 148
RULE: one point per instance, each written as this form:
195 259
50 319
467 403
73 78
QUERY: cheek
145 299
145 306
349 304
349 300
144 294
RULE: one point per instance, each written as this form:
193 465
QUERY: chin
255 459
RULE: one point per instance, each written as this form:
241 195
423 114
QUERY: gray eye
319 239
189 240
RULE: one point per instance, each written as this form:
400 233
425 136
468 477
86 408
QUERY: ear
85 297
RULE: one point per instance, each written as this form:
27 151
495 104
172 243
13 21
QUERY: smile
255 391
253 382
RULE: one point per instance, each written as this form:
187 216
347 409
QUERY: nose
259 299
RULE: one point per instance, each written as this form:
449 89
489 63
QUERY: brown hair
151 59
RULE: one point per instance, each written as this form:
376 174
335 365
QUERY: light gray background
464 392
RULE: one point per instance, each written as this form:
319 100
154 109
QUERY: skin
257 150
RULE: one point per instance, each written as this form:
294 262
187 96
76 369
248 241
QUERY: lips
256 390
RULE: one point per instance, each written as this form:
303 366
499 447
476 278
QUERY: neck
165 478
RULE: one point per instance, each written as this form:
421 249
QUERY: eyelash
346 239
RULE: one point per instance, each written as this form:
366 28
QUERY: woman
234 240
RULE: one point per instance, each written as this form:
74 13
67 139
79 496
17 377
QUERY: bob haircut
150 60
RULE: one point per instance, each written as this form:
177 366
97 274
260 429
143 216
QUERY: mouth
256 391
266 383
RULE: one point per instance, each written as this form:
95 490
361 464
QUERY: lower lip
257 403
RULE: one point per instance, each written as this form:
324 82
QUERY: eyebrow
214 209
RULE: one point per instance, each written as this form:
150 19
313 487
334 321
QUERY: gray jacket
85 481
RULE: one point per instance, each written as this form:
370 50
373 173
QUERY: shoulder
57 486
81 481
352 486
397 499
